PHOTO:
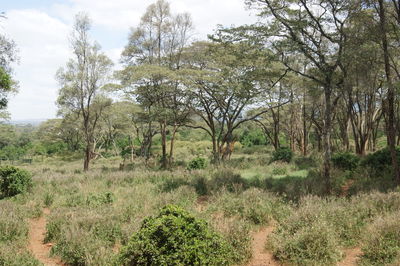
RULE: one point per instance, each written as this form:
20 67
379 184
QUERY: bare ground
41 251
351 257
262 257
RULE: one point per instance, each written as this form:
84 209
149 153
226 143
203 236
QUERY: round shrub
14 181
174 237
197 163
284 154
379 160
345 160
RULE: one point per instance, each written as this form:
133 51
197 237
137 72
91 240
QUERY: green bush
379 160
14 181
284 154
345 160
252 137
174 237
197 163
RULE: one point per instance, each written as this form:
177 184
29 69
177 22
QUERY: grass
93 214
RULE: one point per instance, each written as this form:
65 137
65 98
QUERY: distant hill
33 122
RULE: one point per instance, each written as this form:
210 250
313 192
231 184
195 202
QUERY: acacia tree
226 80
316 30
152 57
8 55
81 82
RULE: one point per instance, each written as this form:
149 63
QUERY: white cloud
43 47
42 37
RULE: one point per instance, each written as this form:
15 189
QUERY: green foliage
55 148
284 154
345 160
379 160
12 152
197 163
14 181
175 237
253 137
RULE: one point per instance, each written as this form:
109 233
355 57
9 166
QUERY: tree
8 55
314 30
81 82
226 80
152 57
389 62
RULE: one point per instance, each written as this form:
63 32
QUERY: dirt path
351 257
37 230
262 257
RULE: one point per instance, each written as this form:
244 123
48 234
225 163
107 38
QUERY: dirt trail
41 251
351 257
262 257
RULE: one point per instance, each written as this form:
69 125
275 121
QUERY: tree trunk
326 139
163 131
389 106
86 161
171 150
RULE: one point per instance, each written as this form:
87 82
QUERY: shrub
252 137
345 160
379 160
284 154
316 244
48 199
174 237
253 205
14 181
98 199
382 241
305 163
197 163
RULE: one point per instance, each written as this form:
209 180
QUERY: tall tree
389 106
316 30
81 82
226 80
152 57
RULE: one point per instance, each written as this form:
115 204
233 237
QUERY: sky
41 28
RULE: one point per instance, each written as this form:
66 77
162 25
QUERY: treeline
318 75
